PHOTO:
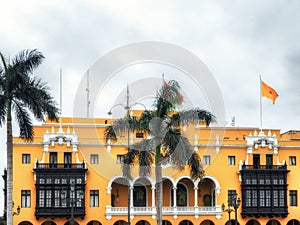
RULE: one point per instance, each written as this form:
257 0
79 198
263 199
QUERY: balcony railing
175 211
264 167
60 165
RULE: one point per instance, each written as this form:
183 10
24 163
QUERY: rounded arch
273 222
214 180
166 222
170 179
252 222
48 223
120 222
25 223
183 177
68 223
152 182
120 178
207 222
231 222
293 222
186 222
142 222
94 222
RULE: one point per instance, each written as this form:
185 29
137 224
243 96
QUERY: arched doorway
94 222
142 222
181 195
25 223
206 193
120 222
207 222
186 222
293 222
166 222
252 222
273 222
139 196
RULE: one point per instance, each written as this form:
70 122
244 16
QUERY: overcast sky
236 40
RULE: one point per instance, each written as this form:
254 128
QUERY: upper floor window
25 158
206 159
231 160
25 198
139 135
293 198
94 198
120 159
292 160
94 159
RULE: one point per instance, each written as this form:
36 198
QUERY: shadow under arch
142 222
207 222
166 222
48 223
120 222
68 223
273 222
25 223
94 222
252 222
186 222
293 222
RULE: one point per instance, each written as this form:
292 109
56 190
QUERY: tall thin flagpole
260 102
60 96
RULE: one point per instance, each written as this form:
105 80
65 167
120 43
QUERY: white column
131 196
153 196
196 196
174 197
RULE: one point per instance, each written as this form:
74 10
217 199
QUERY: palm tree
164 141
23 95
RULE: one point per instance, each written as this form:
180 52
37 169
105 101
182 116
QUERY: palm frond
110 134
182 152
3 109
35 95
194 116
27 60
24 121
196 168
130 160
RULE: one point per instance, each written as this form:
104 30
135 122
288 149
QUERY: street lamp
18 211
127 107
233 205
72 200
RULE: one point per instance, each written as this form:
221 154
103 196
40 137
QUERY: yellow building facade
71 171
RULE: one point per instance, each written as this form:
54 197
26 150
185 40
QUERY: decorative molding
60 138
263 141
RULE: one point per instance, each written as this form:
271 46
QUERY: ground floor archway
273 222
252 222
25 223
186 222
142 222
293 222
120 222
207 222
48 223
94 222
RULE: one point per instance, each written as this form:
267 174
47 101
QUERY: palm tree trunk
9 146
158 185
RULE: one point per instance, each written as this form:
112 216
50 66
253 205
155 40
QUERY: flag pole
260 102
